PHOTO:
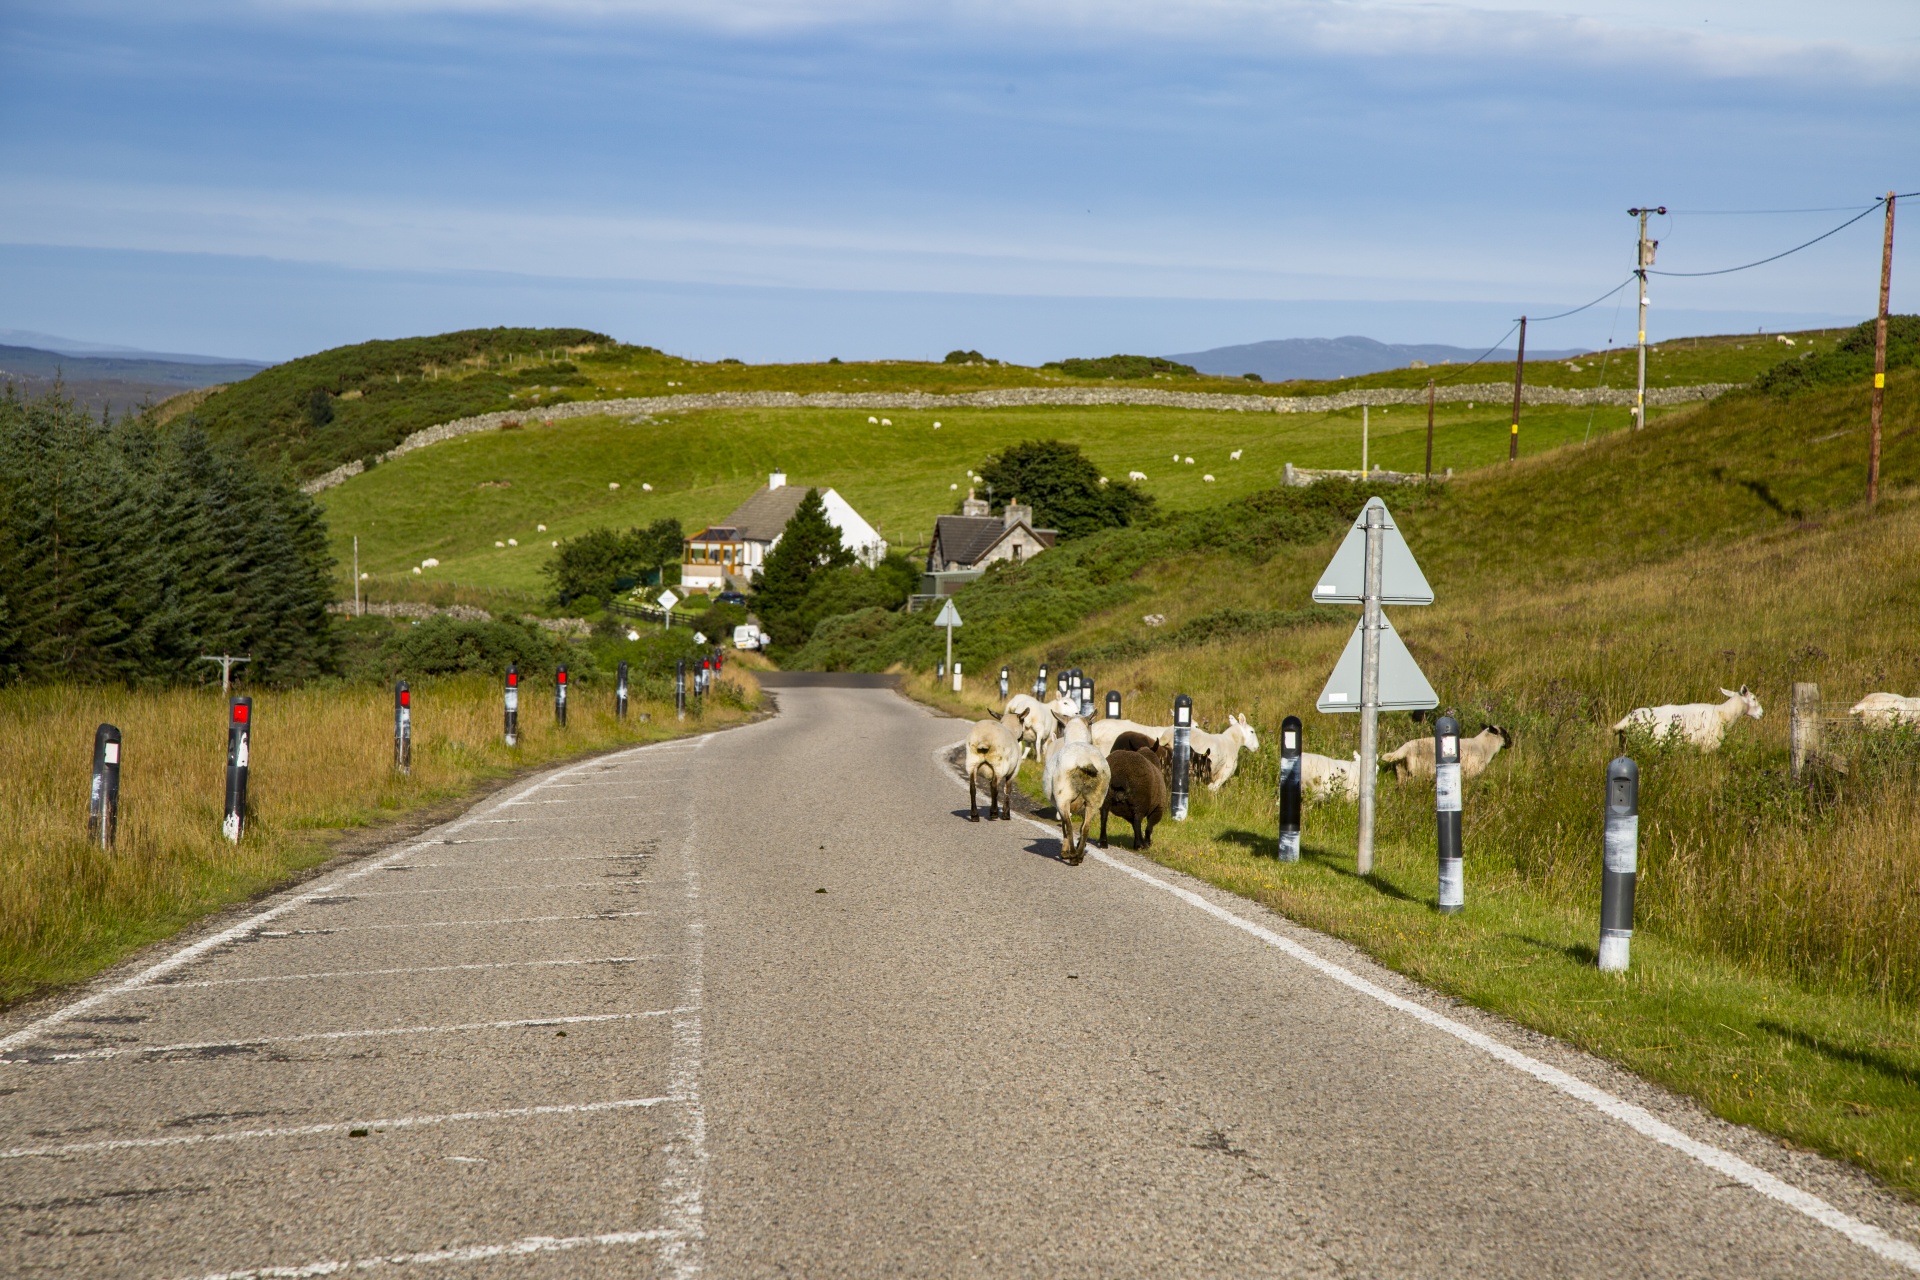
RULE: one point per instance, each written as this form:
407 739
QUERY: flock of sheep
1115 767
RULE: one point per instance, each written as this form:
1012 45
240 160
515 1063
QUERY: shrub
965 357
602 563
1121 367
1850 360
1064 488
445 646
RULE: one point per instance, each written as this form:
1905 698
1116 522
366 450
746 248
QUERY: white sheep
1235 455
1136 475
1105 731
1072 729
1701 723
1077 781
1189 461
1885 710
1415 759
993 749
1208 477
1326 778
1038 725
1223 749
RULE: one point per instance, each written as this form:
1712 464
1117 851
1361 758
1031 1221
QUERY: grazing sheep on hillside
1885 710
1222 750
1235 455
1327 778
1136 475
993 749
1078 777
1415 759
1137 792
1701 723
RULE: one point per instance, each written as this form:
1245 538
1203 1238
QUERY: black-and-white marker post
1290 734
1006 682
1113 704
239 739
402 727
560 697
103 807
1182 755
620 692
956 677
1620 864
1040 682
1086 699
1446 807
680 689
513 705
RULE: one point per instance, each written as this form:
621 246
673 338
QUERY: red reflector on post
563 677
406 697
240 713
513 678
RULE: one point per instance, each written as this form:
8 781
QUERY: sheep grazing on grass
1235 455
993 755
1222 750
1326 778
1136 475
1077 781
1137 791
1415 759
1701 723
1107 732
1885 710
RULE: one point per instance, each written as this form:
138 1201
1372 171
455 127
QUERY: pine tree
808 545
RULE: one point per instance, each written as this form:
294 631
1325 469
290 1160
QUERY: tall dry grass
322 760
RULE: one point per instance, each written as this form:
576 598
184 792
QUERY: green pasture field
447 502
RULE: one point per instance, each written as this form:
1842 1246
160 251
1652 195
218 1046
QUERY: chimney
777 480
975 506
1016 513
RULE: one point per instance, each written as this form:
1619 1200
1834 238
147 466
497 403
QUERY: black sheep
1137 792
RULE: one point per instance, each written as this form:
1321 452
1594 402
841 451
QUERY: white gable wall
856 535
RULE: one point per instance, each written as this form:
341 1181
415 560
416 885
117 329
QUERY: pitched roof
964 539
763 517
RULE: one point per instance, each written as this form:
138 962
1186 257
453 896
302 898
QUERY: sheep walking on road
1038 725
1222 750
1415 759
1703 724
1137 791
993 756
1885 710
1078 777
1325 778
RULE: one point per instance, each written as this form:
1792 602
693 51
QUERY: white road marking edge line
470 1253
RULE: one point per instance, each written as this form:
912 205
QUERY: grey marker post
1619 863
103 806
1182 755
1446 807
239 749
1290 742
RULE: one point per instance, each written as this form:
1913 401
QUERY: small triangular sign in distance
1345 579
949 616
1402 685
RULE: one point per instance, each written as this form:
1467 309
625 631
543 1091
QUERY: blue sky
793 179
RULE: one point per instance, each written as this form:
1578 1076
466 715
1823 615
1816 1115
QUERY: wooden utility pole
227 663
1880 357
1429 428
1647 249
1519 364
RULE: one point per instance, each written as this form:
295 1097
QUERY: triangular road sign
949 616
1345 580
1402 686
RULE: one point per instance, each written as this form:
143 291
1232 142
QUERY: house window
1016 551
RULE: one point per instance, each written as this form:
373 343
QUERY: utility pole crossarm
227 663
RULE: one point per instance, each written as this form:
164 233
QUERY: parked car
731 597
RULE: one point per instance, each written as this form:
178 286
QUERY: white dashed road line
471 1253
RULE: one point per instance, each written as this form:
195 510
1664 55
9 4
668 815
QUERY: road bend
764 1003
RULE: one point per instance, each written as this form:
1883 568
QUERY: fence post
513 705
239 733
620 693
1290 789
1182 755
560 697
103 808
1619 863
402 727
1446 806
1804 728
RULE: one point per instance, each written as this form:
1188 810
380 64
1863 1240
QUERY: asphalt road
608 1023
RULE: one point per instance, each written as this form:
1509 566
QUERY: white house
731 552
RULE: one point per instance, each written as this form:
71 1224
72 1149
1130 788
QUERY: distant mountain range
1286 358
120 381
75 347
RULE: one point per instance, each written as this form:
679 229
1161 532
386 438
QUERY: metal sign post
103 807
1620 864
1182 755
1374 567
949 618
1290 789
239 734
513 705
1446 807
667 601
620 692
402 727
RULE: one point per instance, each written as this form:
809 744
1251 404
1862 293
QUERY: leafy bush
1850 360
1120 367
1064 488
127 551
601 563
965 357
444 646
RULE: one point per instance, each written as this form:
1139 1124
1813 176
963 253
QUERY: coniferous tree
808 546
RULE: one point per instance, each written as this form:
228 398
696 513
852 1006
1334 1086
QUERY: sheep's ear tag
1345 580
1403 687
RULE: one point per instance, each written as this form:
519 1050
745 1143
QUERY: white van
748 636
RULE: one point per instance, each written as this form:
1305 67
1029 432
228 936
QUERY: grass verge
322 766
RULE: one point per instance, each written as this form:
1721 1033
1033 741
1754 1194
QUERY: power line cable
1776 257
1577 310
